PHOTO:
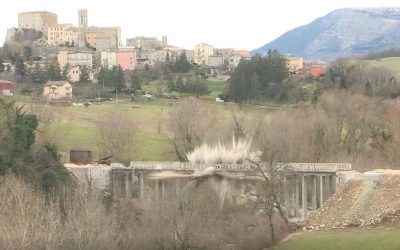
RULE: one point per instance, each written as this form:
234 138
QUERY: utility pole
98 96
116 95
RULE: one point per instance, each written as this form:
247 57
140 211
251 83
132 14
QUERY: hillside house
295 64
6 88
56 90
316 70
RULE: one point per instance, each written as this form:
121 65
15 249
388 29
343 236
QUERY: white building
108 59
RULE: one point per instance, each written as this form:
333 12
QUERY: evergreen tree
179 86
38 74
113 78
101 76
119 78
20 67
84 75
198 87
53 72
42 167
2 67
182 65
65 71
255 87
316 94
27 52
343 82
259 77
136 84
58 72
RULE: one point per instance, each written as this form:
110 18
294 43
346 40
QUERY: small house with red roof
316 70
6 88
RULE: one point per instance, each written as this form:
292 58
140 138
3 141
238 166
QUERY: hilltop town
43 50
95 47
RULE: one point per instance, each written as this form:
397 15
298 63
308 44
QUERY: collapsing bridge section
306 185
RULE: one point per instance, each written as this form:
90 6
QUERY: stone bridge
307 185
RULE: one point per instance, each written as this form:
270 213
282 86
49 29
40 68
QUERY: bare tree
117 136
270 193
193 123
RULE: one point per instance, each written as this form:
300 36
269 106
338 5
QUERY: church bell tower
83 26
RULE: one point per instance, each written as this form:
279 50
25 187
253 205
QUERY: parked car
219 99
173 97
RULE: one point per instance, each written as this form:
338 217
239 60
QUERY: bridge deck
291 167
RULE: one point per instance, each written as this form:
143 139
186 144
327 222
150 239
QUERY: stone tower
164 40
83 26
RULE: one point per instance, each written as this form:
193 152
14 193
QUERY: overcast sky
239 24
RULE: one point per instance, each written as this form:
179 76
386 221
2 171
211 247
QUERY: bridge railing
187 166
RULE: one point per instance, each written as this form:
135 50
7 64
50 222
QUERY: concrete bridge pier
142 186
321 190
307 190
304 195
121 183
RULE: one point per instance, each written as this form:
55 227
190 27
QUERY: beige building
147 43
173 52
190 55
201 53
55 90
104 37
62 34
73 58
295 64
38 20
226 53
215 61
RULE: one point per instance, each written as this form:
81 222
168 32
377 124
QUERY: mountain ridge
341 33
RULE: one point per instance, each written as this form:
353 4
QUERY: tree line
22 155
260 78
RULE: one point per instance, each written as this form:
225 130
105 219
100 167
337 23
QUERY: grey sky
239 24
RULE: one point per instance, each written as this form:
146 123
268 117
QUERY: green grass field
376 239
391 63
76 128
216 88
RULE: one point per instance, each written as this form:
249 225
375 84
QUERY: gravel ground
368 202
